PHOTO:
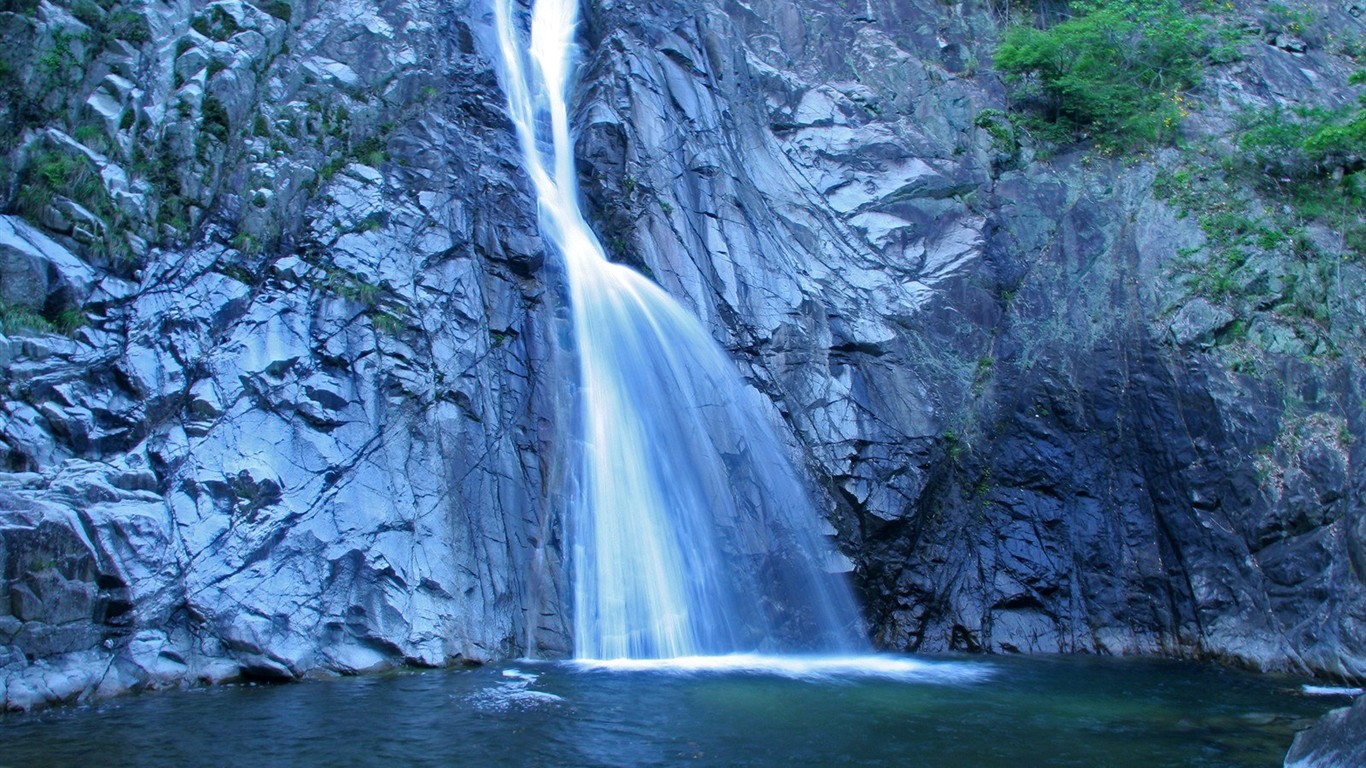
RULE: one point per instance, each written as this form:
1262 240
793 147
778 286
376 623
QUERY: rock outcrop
302 416
1336 741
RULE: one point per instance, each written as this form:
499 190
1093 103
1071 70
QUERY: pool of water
985 713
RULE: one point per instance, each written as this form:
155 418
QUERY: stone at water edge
1338 740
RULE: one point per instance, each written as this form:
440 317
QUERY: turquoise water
1000 712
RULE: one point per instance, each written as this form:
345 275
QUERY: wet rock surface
306 418
1336 741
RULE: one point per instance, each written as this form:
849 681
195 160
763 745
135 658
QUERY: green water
988 713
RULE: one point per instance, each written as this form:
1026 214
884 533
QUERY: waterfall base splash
799 667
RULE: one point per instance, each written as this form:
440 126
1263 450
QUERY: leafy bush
1118 67
16 319
88 12
128 24
215 116
1344 140
215 23
1314 161
21 7
280 9
997 126
49 174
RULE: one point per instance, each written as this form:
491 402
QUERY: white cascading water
691 533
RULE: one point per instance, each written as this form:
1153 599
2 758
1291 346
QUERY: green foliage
350 286
280 9
1312 161
70 320
246 243
215 23
21 7
58 64
982 374
1344 139
371 223
49 174
387 323
1118 67
92 136
239 273
997 126
215 117
953 446
15 319
371 152
128 24
88 12
1283 18
1264 257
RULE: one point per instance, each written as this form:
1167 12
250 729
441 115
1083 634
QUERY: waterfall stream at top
690 532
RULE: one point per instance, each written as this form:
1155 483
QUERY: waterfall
691 533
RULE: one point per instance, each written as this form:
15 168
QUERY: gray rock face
312 421
1336 741
329 455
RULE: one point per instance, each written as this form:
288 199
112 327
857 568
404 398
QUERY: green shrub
280 9
997 126
1313 162
1118 67
215 24
1344 139
50 174
246 244
387 323
215 117
21 7
70 320
88 12
127 24
19 319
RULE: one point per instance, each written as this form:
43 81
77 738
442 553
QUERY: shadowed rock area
293 405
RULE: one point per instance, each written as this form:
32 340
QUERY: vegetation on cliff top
1278 193
1117 68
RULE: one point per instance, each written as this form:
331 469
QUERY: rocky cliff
283 351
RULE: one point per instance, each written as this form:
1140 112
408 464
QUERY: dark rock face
311 422
990 364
